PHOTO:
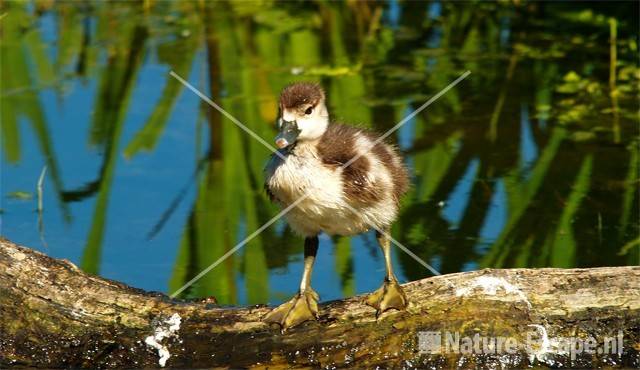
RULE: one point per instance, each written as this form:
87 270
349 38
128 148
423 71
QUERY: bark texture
54 315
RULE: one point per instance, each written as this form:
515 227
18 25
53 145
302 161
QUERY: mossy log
54 315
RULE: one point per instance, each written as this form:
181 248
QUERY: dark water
532 161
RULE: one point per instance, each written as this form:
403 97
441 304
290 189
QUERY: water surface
532 161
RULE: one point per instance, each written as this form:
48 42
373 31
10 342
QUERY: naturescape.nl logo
535 343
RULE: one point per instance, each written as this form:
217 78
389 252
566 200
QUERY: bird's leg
390 294
304 305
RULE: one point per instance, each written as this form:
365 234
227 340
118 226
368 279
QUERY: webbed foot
302 307
389 295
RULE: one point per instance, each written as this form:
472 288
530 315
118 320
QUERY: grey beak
288 134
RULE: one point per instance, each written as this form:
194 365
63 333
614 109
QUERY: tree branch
54 315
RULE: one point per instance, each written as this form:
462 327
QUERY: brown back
338 146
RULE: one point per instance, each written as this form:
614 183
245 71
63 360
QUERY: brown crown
301 93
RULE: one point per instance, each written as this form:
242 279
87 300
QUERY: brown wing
337 147
393 161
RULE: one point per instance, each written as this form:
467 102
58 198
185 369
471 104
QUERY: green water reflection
532 161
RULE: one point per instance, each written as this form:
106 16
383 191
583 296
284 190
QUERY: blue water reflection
147 185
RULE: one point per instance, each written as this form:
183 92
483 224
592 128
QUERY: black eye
308 111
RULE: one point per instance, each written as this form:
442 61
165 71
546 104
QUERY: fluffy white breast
327 208
300 173
297 175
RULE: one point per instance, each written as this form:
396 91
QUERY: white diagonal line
407 118
304 196
227 114
397 243
240 245
409 252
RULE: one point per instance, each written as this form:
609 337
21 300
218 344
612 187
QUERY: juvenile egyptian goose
318 162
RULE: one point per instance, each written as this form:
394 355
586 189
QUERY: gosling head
303 114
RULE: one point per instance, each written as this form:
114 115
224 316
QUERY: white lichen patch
166 329
490 285
19 256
